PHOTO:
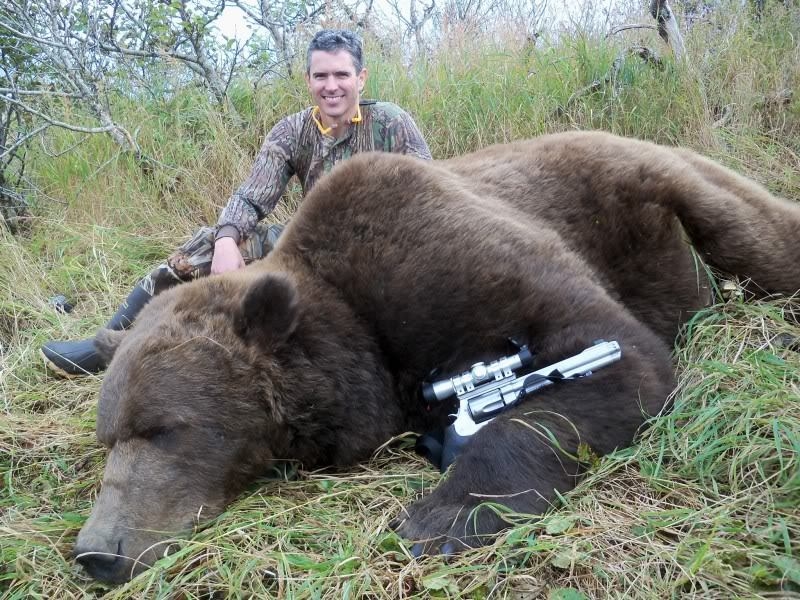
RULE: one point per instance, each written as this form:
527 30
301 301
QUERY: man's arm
226 257
404 137
257 196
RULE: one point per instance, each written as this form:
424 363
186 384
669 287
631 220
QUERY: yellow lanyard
326 130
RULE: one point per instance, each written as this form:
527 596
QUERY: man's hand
227 256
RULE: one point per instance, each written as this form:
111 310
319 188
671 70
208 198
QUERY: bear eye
153 432
157 435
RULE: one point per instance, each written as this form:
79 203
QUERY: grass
704 505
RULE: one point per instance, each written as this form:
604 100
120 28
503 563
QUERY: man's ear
106 342
268 312
362 80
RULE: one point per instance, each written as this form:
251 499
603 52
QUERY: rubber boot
78 358
273 233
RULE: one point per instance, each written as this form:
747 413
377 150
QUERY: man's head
334 40
335 75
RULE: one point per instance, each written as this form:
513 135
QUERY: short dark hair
331 40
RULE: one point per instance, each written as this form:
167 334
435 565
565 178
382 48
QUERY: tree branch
643 52
63 125
55 93
21 141
622 28
668 27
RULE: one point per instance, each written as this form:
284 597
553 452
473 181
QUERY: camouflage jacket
296 146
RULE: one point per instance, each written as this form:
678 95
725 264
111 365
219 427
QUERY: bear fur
394 266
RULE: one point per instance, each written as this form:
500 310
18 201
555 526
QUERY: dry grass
705 505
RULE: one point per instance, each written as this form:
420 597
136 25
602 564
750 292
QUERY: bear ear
106 342
268 312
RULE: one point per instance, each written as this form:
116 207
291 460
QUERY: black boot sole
51 366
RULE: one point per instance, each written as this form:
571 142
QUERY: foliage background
705 505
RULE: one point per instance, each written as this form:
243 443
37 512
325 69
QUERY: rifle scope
438 391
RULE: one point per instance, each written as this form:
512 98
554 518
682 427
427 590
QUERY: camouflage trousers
193 259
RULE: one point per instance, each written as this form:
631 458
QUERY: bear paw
447 528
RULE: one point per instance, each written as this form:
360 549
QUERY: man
306 144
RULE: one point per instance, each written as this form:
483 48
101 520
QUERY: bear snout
102 558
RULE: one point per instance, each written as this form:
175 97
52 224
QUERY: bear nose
101 558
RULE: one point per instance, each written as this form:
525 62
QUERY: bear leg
522 460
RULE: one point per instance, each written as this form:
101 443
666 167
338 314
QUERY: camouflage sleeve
260 192
404 137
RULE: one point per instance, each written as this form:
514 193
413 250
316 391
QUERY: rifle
485 391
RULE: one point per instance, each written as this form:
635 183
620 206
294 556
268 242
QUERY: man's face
334 85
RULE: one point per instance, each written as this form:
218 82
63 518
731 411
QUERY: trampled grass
704 505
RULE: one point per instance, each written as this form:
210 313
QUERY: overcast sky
232 21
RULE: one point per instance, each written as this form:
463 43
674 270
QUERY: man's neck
339 127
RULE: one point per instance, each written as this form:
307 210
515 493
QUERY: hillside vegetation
704 505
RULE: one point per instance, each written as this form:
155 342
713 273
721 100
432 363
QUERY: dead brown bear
394 266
